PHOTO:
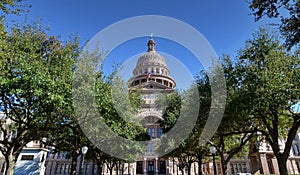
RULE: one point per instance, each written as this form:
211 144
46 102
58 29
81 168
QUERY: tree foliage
13 6
35 71
267 83
287 10
185 104
234 131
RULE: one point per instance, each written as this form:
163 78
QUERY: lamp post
84 150
156 166
145 162
213 152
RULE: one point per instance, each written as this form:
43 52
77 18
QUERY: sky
226 25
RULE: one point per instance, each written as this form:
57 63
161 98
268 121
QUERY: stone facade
263 160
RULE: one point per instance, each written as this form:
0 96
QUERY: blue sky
225 24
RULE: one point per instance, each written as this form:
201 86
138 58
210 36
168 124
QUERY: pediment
153 85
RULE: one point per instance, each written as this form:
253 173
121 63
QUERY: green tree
183 105
99 157
76 122
98 100
287 10
13 6
34 75
267 78
235 131
68 137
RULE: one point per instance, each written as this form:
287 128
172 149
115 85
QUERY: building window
159 132
149 148
57 170
87 167
139 167
232 168
153 133
150 166
162 167
67 170
296 150
49 153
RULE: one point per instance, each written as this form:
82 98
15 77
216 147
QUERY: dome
151 62
152 67
152 57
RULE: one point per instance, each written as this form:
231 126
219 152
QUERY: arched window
296 150
159 132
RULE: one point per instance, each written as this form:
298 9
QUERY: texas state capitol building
151 76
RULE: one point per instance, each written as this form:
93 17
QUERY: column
289 166
264 163
156 131
275 165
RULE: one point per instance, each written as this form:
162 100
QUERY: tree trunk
74 164
223 165
189 165
282 165
99 164
224 168
117 167
200 166
10 164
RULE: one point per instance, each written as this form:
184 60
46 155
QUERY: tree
88 79
68 137
184 105
267 82
98 156
35 71
287 10
12 6
235 131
